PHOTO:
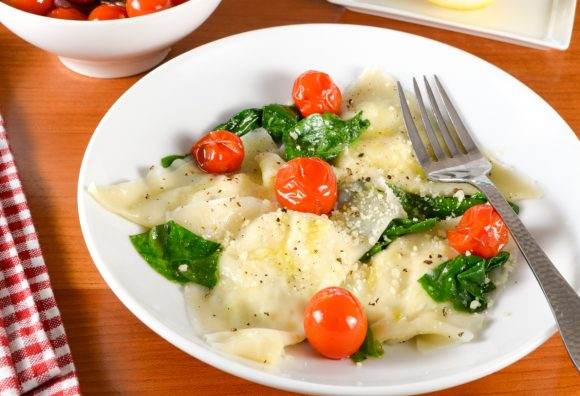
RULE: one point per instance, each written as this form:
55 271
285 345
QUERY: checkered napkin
34 352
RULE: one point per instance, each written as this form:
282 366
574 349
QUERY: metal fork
459 160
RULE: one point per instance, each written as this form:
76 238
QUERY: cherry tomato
141 7
67 13
177 2
107 11
39 7
480 231
219 152
88 4
335 323
306 185
315 92
62 3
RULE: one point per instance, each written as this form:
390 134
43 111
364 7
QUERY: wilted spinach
277 119
463 280
440 207
322 135
178 254
398 228
168 160
243 122
369 348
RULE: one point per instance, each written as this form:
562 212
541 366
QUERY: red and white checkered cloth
34 352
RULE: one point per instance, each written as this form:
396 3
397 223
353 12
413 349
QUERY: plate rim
230 365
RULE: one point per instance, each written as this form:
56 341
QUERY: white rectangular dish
534 23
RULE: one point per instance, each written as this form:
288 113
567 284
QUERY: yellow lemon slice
462 4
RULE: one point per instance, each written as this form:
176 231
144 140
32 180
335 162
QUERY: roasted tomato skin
67 13
40 7
106 12
306 184
137 8
219 152
315 92
481 231
335 323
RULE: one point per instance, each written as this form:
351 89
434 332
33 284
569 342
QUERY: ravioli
212 206
260 345
397 307
268 274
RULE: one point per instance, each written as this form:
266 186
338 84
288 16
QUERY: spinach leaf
168 160
369 348
322 135
440 207
277 119
243 122
462 281
515 207
398 228
178 254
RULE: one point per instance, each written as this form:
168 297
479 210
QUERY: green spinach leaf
277 119
168 160
322 135
440 207
243 122
369 348
398 228
464 281
178 254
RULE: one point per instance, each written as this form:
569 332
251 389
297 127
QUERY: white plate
534 23
172 106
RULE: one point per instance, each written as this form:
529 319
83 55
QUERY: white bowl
109 49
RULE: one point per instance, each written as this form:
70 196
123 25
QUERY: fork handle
563 300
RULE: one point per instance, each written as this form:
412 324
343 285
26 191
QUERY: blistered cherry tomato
481 231
219 152
67 13
306 185
335 323
142 7
315 92
107 11
40 7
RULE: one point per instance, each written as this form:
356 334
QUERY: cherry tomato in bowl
315 92
481 231
219 152
106 12
142 7
67 13
87 3
306 185
39 7
335 323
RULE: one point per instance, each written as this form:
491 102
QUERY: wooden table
50 114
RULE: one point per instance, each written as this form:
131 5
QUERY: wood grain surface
50 113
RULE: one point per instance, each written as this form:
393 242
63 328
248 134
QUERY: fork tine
412 131
460 127
439 153
453 149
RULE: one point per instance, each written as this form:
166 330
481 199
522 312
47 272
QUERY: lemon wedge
462 4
